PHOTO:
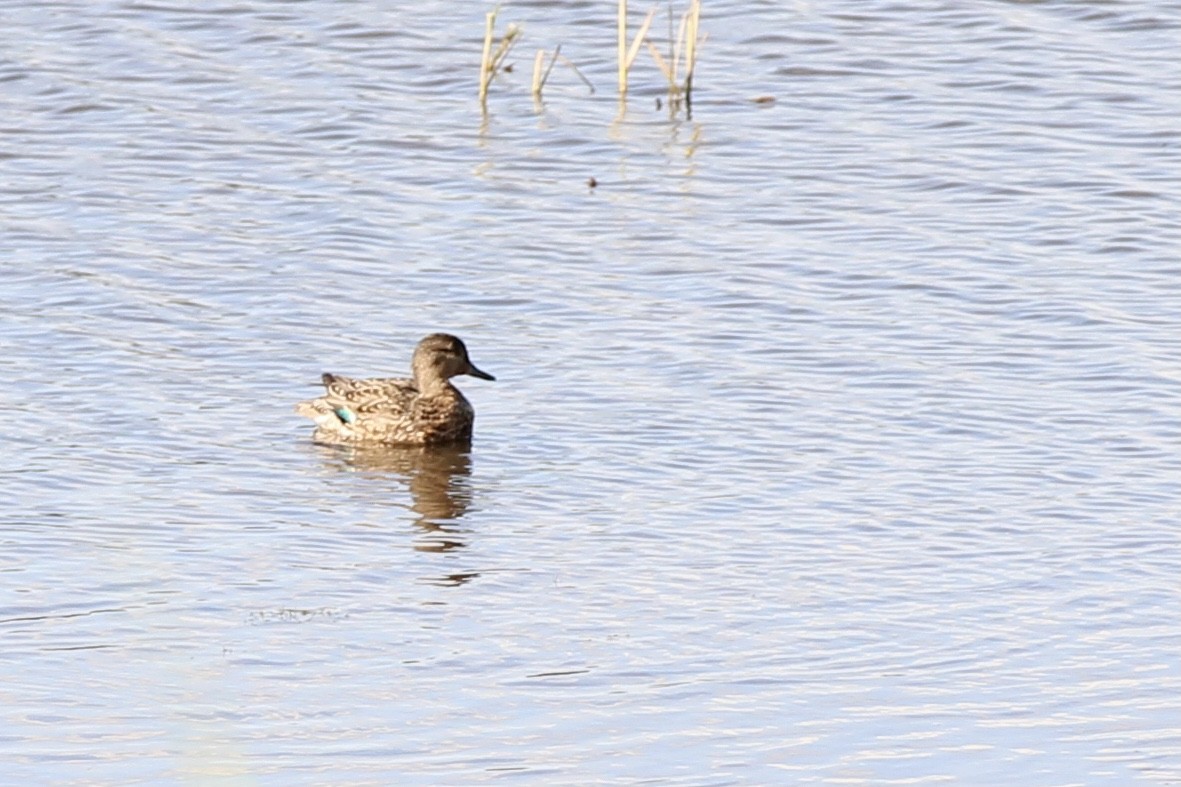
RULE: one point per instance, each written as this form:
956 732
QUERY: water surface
834 439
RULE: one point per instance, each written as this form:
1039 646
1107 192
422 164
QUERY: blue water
834 438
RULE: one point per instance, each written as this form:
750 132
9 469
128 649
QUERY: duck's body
424 410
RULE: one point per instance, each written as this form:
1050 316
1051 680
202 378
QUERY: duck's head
440 357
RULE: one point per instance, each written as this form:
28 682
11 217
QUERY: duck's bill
474 372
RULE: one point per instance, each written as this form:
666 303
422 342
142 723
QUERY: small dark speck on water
592 182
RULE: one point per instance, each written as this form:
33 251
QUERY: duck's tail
320 411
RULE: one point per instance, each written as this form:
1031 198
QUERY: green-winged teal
425 410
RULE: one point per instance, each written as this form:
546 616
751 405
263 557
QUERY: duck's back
372 394
387 410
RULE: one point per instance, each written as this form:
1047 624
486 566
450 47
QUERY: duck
425 409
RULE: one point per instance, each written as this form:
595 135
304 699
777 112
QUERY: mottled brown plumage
424 410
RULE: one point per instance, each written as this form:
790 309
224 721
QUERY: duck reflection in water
438 478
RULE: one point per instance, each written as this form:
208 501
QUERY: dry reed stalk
579 73
486 58
490 63
539 79
622 45
538 61
693 18
627 54
682 59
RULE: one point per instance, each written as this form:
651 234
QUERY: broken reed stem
490 63
622 42
693 17
682 58
506 45
581 76
538 60
660 62
486 59
553 60
627 53
639 39
539 79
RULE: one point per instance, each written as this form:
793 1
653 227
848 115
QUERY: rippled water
835 438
